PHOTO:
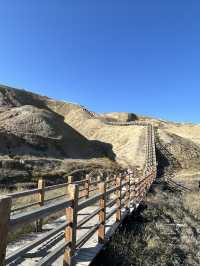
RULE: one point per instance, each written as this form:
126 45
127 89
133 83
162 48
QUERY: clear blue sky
141 56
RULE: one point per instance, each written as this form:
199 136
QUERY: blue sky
137 56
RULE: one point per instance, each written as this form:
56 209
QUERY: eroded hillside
43 136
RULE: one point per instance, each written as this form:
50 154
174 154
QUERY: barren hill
43 136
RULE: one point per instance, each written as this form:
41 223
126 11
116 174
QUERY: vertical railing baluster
127 196
118 198
41 195
102 212
70 231
87 186
70 180
5 208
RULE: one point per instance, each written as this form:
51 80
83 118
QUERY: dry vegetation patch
163 231
191 202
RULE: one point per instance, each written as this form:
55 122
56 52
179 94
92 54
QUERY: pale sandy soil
189 178
127 142
188 131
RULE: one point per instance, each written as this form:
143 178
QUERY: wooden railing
127 191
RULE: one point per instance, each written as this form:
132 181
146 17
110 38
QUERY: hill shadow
70 146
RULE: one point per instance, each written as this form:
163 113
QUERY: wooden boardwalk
94 208
82 256
91 248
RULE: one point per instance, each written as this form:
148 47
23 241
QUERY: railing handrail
31 216
126 189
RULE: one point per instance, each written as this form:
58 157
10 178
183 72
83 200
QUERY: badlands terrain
40 136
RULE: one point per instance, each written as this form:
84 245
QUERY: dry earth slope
42 136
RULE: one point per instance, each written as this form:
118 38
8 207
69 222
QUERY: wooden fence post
41 186
148 183
70 231
118 201
140 191
70 180
5 208
133 185
127 204
108 184
102 213
87 186
98 178
143 189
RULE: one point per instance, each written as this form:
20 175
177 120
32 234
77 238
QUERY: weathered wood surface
91 247
83 257
5 206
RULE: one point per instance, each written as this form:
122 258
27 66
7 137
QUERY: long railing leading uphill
106 196
173 165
